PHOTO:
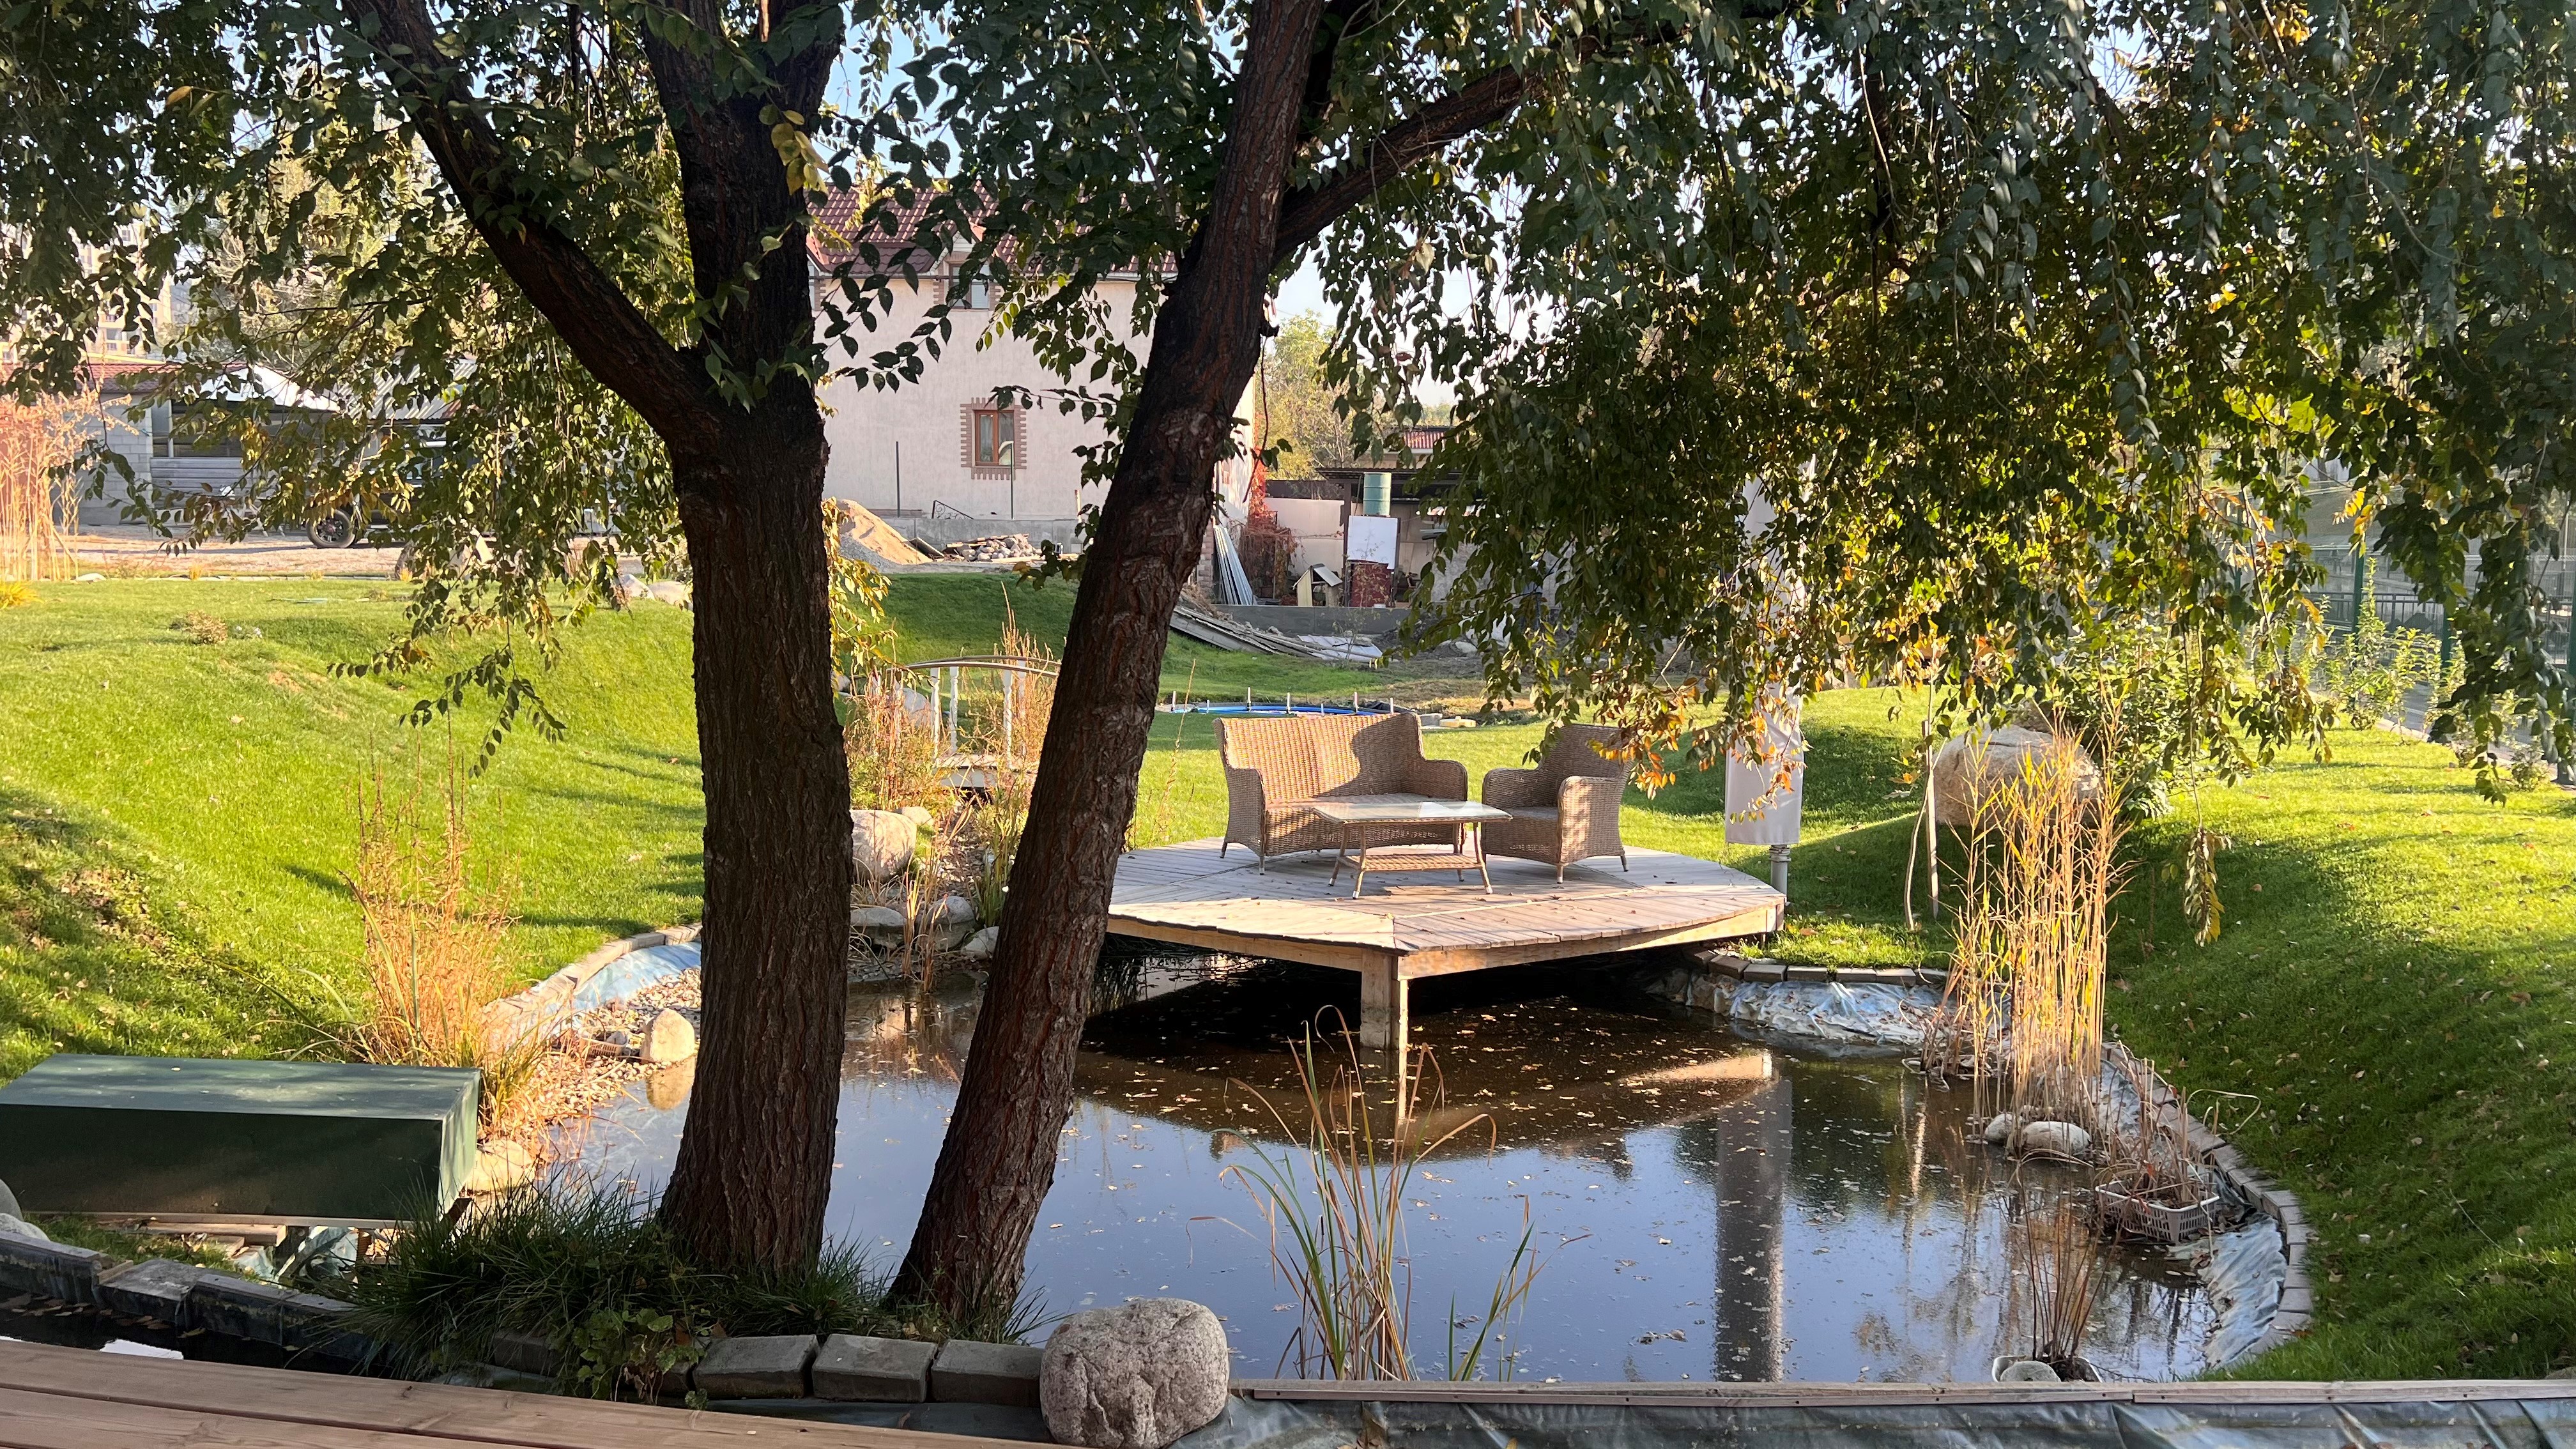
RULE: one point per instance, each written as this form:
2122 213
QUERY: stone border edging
184 1296
550 1001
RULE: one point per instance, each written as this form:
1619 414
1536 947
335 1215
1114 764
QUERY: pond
1707 1204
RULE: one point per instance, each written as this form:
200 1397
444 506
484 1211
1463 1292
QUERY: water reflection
1710 1204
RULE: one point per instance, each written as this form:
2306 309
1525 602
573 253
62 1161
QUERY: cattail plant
2060 1259
2030 959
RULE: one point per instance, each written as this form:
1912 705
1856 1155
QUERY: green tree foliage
1309 431
2022 319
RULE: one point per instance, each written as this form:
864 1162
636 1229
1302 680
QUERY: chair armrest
1244 806
1440 779
1590 798
1506 788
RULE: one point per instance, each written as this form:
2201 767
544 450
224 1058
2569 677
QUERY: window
996 437
971 292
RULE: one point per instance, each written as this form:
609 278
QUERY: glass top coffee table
1368 822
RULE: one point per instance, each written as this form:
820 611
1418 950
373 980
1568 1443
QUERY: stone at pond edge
9 1202
967 1372
1137 1376
984 942
502 1167
14 1226
881 843
2000 1128
765 1367
2026 1371
856 1369
2053 1139
882 925
668 1038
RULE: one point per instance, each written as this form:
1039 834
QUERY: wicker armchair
1564 810
1274 766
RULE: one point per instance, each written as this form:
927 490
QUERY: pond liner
2492 1414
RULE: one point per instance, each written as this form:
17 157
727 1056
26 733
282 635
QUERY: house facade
947 456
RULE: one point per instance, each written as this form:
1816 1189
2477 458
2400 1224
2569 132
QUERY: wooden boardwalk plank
235 1404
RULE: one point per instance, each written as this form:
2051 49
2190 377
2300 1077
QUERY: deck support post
1383 1006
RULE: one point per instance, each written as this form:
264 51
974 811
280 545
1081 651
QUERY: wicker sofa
1273 767
1564 809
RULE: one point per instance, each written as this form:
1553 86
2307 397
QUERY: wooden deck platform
69 1398
1411 926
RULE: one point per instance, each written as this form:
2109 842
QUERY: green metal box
213 1140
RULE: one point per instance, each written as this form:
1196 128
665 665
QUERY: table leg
1476 837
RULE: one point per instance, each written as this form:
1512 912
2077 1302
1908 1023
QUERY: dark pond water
1708 1205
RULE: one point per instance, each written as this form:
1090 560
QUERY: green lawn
177 817
2391 992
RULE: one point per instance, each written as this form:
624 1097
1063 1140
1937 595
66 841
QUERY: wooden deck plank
1295 910
422 1416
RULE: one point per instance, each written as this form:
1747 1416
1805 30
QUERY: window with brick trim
994 434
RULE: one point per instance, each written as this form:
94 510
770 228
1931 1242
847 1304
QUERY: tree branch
611 336
1485 101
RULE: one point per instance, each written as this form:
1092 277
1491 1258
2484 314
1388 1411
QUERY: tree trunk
755 1162
1017 1088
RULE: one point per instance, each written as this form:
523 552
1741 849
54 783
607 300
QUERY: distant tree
1309 431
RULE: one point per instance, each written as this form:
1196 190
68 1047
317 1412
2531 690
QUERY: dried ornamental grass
39 493
434 935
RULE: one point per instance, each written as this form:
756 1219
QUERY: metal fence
2396 599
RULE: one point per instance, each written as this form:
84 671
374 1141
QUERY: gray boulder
983 943
2053 1139
882 925
14 1226
1134 1377
881 843
953 923
9 1202
2000 1128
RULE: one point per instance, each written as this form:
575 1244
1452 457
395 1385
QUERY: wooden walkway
69 1398
1414 925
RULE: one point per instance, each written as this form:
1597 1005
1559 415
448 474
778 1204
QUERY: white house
942 455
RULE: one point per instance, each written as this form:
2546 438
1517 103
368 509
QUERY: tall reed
435 935
893 746
2060 1256
1335 1208
40 442
2031 934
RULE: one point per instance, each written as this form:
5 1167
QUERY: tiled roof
835 236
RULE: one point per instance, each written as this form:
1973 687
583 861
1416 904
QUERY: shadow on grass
95 958
2411 1087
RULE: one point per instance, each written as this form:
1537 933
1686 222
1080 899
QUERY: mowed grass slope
177 818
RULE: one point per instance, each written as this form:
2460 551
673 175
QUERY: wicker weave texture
1566 807
1274 766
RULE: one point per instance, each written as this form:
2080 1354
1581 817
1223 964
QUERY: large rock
1134 1377
14 1226
668 1038
881 843
983 943
952 924
882 925
2053 1139
1964 769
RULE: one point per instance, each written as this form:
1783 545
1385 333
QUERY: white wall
1317 522
925 422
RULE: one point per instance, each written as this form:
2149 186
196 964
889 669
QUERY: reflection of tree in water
1742 1152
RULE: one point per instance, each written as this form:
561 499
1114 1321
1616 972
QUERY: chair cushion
1542 814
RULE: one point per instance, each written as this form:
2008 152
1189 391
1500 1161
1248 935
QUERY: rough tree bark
755 1159
1017 1089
